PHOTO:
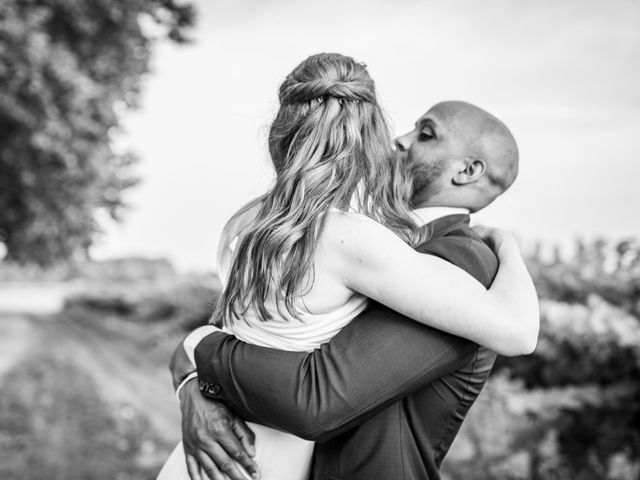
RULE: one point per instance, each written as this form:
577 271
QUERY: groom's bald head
460 155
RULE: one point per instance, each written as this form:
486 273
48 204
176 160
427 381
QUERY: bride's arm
372 260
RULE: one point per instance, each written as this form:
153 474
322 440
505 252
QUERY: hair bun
350 90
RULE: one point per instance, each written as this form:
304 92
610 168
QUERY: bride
336 230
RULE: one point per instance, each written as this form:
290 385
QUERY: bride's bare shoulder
344 222
350 232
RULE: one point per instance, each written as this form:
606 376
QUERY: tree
66 68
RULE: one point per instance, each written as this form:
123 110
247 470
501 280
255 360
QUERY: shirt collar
426 215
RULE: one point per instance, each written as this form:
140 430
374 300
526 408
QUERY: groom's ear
471 170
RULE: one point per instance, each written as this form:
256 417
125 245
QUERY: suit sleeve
469 253
377 359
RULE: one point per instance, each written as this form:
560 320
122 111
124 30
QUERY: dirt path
20 303
33 298
129 368
129 372
17 335
76 382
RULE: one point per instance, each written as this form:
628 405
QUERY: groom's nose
403 142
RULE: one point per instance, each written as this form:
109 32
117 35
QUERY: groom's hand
215 439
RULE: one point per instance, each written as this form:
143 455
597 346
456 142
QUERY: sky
564 75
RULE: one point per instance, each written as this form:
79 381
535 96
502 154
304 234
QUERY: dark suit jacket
384 398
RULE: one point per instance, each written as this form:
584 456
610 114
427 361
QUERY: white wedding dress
279 455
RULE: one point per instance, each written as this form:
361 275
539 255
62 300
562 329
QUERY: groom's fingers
224 463
204 475
210 468
246 436
193 467
237 452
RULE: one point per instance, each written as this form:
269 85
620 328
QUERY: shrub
185 301
572 409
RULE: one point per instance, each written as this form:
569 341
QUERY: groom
386 397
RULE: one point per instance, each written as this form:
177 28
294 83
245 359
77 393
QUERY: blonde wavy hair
331 147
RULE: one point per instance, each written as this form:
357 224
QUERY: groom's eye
426 135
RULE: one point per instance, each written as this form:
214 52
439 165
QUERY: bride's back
327 291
